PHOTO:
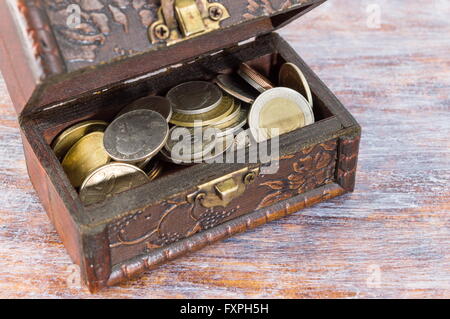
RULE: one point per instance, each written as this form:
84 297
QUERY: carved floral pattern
98 18
257 8
161 229
111 28
177 219
314 167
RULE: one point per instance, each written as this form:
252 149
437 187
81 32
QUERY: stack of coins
202 105
102 159
197 121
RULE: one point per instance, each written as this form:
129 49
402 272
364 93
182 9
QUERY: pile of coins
103 159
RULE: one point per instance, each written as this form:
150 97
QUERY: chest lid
53 51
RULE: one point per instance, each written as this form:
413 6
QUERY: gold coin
225 122
64 141
234 126
109 180
194 120
154 169
85 156
292 77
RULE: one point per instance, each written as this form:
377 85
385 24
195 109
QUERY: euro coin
85 156
224 109
109 180
194 97
135 136
292 77
237 87
279 111
65 140
158 104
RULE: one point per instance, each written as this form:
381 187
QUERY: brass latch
179 20
222 191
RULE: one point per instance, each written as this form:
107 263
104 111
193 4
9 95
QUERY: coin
220 112
234 126
153 103
136 136
143 163
254 78
221 145
194 97
153 169
292 77
252 83
65 140
85 156
188 143
282 109
237 87
111 179
229 118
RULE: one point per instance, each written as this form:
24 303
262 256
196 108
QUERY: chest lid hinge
180 20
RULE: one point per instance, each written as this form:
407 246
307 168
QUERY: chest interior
266 54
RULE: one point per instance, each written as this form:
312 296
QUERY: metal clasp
222 191
180 20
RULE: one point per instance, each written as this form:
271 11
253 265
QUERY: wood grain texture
390 238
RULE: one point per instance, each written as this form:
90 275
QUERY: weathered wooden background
391 238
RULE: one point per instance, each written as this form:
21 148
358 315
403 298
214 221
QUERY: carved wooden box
70 60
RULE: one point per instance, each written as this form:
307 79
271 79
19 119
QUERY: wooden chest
59 74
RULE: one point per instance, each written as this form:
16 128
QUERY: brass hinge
221 191
179 20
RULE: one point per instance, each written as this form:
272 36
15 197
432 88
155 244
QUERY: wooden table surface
391 238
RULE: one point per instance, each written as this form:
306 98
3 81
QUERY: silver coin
278 111
188 143
194 97
136 136
221 145
109 180
237 87
153 103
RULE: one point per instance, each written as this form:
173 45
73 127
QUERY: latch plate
192 18
222 191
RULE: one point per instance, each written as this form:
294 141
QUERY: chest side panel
176 219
